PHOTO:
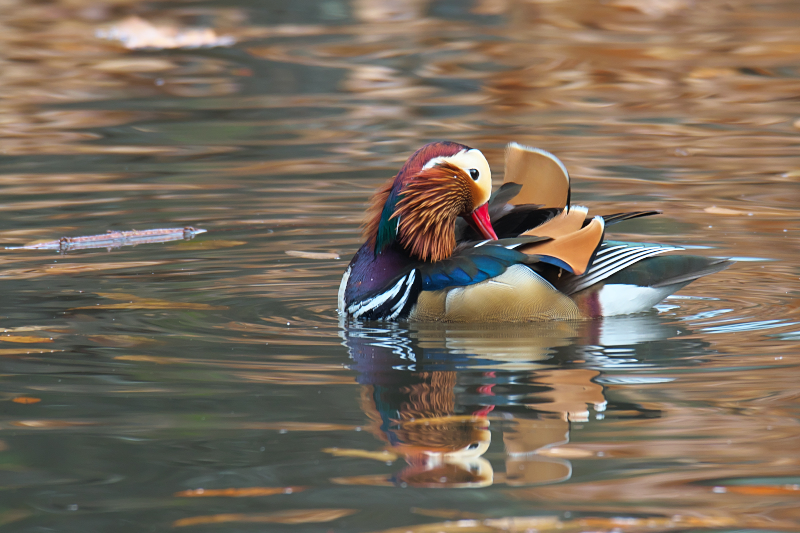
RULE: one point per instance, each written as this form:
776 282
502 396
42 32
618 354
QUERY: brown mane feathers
428 206
372 218
428 201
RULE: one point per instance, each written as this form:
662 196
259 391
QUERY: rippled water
208 384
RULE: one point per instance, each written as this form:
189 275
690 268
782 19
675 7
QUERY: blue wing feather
459 277
468 266
489 266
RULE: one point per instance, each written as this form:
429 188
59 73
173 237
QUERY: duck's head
418 208
444 451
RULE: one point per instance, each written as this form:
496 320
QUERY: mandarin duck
440 247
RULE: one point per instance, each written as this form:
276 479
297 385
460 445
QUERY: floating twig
114 239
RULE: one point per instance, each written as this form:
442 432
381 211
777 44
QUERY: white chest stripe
396 308
361 308
342 288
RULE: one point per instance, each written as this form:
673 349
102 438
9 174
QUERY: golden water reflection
439 420
681 437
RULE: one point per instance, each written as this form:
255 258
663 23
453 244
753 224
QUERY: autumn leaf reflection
245 492
25 340
304 516
26 400
136 33
137 302
552 523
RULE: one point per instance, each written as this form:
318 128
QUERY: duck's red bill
479 220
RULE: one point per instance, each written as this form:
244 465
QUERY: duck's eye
474 174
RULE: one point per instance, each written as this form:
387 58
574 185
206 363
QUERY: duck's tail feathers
707 265
611 258
644 283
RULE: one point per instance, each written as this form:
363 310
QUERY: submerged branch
114 239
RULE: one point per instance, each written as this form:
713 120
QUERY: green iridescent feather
387 229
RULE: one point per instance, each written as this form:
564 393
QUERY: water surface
208 384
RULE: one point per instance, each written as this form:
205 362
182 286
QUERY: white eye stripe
467 161
438 161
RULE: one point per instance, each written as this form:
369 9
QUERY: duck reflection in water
431 393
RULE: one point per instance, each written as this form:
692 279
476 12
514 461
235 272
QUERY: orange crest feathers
439 182
372 219
427 209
